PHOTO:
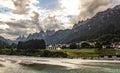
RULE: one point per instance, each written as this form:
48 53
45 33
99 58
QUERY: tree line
30 44
32 47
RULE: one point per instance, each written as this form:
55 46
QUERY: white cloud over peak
23 17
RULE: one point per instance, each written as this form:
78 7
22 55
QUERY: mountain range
103 26
2 39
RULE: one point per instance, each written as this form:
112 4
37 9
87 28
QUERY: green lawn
79 52
88 53
70 53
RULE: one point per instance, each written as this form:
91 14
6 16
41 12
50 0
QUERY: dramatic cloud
88 8
7 3
3 26
35 20
91 7
23 6
24 17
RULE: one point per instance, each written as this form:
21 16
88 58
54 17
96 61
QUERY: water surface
11 66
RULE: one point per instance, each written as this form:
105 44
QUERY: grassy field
88 53
76 53
91 53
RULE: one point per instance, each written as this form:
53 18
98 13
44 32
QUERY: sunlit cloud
3 26
71 7
7 3
24 17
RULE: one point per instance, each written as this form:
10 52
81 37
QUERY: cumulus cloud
3 26
7 3
23 17
17 28
90 7
23 6
36 21
50 23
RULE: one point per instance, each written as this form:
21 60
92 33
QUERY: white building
53 47
116 45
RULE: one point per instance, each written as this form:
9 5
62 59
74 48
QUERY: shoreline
69 63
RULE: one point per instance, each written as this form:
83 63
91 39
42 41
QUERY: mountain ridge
103 23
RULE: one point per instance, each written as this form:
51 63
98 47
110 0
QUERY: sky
24 17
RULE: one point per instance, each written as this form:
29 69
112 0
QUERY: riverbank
69 63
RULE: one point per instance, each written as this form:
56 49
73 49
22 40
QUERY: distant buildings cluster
53 47
115 45
56 46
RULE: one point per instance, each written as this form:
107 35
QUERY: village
83 44
89 45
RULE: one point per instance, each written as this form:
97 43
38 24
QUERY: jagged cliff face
41 35
103 23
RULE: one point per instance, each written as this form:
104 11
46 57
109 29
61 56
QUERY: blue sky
24 17
49 4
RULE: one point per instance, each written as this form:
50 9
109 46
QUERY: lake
11 66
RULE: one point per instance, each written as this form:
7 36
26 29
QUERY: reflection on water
13 67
